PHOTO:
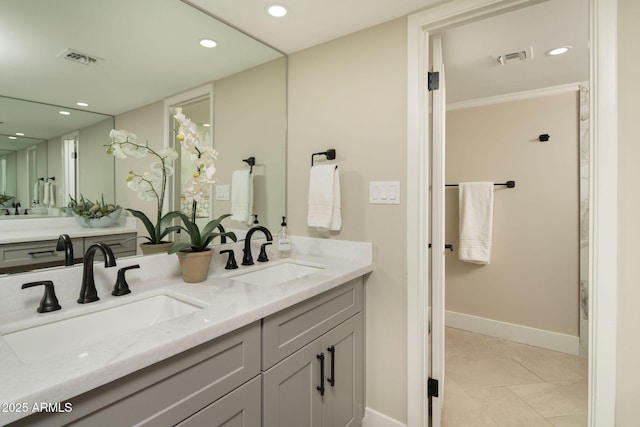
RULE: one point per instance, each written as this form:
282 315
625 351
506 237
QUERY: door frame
602 206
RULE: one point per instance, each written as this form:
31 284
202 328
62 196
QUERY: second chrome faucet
88 292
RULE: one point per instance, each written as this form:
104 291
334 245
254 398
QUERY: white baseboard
376 419
512 332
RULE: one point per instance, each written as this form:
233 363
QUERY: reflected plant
150 185
197 187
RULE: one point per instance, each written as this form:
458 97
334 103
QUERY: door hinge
433 80
74 155
432 387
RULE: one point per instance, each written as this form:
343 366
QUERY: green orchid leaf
146 222
178 247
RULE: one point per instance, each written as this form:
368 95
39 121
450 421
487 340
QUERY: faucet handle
231 261
122 287
49 301
263 252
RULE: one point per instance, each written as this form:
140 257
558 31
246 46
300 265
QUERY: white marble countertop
228 305
28 229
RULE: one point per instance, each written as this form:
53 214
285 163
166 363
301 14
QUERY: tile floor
493 382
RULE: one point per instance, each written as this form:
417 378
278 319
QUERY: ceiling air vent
79 57
519 56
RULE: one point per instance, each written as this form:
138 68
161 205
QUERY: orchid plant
197 187
150 185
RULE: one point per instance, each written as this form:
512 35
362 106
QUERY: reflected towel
36 191
325 206
52 194
241 196
46 191
476 221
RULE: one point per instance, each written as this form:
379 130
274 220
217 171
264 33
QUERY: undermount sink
277 274
59 337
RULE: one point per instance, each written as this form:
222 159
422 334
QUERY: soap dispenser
284 244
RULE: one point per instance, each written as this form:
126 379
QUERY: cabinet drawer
169 391
117 242
36 253
289 330
242 407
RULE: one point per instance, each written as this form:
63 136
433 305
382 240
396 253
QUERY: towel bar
508 184
251 161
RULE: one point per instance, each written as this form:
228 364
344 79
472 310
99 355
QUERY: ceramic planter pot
155 248
195 265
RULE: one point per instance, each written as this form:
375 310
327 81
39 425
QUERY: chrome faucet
247 259
88 292
64 244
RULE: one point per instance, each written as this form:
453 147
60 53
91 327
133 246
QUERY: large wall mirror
125 59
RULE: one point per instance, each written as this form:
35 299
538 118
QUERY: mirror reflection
126 78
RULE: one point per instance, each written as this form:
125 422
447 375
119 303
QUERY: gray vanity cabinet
322 383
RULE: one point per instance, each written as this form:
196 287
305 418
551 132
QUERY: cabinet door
240 408
344 383
289 389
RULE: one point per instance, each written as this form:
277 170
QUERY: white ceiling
150 48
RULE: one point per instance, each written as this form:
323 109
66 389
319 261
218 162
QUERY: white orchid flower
168 153
117 152
121 136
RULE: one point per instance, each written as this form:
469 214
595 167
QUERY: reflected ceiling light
559 50
208 43
65 113
207 125
19 134
276 10
13 137
82 104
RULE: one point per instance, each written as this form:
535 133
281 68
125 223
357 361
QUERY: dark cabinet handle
320 388
332 379
51 252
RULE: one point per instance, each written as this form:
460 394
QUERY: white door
438 111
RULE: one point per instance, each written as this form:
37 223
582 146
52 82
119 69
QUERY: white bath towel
325 206
476 221
241 195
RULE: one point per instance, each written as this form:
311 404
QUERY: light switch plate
384 192
222 192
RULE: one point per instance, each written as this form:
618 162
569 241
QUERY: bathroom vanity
30 243
274 344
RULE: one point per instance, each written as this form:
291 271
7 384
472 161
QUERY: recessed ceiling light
208 43
207 125
559 50
276 10
65 113
13 137
82 104
19 134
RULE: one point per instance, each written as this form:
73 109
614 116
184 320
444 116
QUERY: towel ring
251 161
330 154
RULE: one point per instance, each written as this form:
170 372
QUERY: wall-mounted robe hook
251 161
543 137
330 154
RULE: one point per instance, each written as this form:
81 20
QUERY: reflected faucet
88 292
247 259
64 244
16 205
223 238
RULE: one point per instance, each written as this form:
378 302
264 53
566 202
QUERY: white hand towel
476 221
241 196
325 206
47 190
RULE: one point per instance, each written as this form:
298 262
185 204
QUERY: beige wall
532 279
350 94
628 351
250 112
